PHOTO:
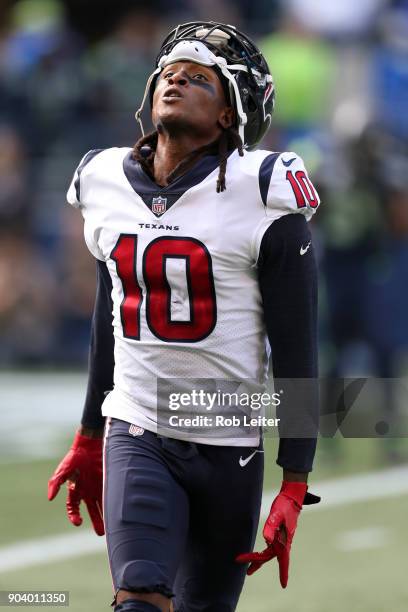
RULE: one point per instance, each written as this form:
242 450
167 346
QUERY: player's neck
170 151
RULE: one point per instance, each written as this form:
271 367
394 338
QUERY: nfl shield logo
159 205
135 430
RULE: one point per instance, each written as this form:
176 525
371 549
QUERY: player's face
190 96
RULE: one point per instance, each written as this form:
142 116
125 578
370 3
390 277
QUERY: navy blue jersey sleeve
288 284
101 357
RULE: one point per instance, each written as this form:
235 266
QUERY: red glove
82 468
280 528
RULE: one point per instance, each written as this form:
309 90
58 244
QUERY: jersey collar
160 199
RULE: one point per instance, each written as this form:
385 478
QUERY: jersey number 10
200 287
303 189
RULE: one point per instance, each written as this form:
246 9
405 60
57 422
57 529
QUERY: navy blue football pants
176 516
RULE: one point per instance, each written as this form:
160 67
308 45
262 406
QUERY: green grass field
332 570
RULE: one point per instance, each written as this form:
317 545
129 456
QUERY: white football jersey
186 301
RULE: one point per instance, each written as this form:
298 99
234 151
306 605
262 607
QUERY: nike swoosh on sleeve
305 249
288 162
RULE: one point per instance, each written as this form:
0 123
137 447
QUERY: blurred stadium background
71 74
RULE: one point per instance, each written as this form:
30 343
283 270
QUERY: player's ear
226 117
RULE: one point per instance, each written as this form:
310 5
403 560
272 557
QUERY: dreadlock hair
229 140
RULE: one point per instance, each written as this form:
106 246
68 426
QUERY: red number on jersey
124 255
200 284
303 189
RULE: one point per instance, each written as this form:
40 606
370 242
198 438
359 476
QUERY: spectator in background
387 288
390 72
386 295
41 71
14 199
75 271
27 303
117 68
35 25
341 21
304 68
365 229
352 230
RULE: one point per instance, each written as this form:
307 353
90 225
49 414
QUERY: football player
203 252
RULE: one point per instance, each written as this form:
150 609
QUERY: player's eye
200 76
168 74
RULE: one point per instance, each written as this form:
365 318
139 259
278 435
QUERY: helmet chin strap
138 113
242 118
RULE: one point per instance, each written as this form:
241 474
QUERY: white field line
338 492
352 489
52 548
363 539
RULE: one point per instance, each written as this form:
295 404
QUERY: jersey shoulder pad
248 165
95 161
285 186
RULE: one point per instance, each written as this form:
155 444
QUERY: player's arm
101 355
288 285
81 468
